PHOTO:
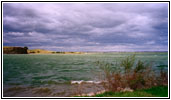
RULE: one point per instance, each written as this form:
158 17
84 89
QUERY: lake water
33 70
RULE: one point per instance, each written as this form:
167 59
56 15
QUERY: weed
140 76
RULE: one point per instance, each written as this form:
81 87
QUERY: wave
82 81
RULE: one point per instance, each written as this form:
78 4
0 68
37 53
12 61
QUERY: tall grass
131 74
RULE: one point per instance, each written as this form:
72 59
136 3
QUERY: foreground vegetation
132 74
157 91
131 78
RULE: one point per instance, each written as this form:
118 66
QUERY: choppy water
54 69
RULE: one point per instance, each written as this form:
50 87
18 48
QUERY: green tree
26 48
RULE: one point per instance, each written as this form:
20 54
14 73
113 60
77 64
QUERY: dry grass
133 75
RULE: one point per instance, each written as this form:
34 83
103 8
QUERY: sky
86 26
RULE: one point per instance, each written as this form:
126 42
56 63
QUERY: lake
55 71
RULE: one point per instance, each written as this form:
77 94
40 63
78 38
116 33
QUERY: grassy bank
158 91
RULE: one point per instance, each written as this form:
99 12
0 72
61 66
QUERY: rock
127 89
90 94
103 91
155 84
119 89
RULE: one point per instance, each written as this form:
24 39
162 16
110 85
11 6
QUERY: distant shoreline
25 50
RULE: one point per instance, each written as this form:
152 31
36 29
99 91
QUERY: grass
158 91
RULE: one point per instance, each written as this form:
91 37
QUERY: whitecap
79 82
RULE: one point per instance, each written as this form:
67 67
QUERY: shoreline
76 90
60 90
83 53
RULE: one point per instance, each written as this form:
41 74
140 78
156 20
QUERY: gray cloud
86 26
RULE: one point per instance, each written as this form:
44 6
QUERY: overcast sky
86 26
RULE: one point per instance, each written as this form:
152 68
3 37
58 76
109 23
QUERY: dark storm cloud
86 26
